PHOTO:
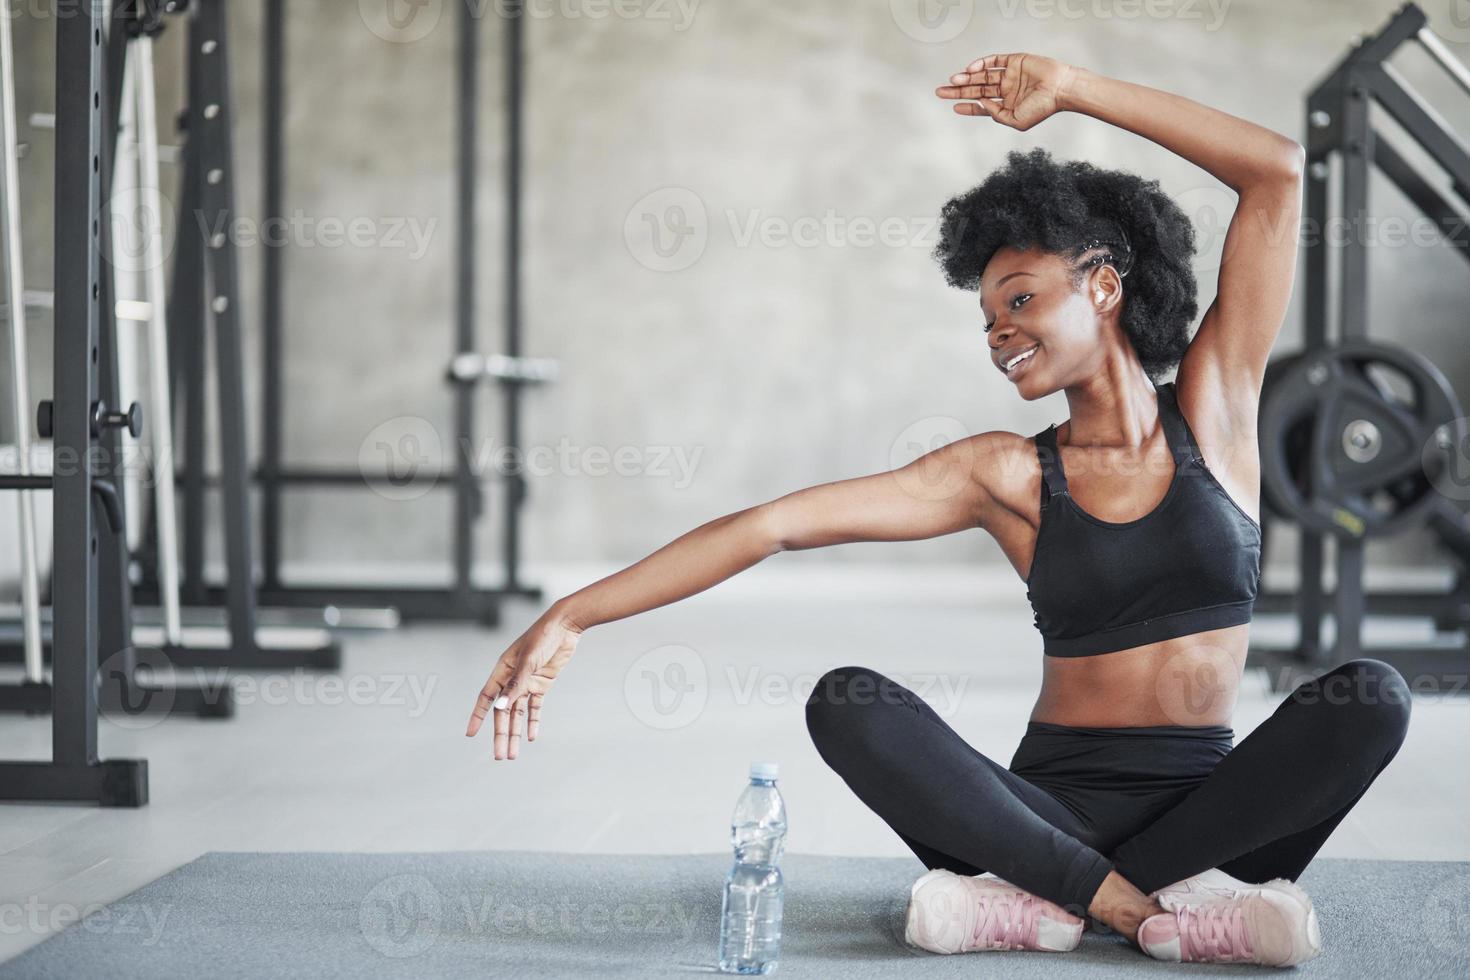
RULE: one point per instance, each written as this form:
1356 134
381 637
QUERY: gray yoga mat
500 913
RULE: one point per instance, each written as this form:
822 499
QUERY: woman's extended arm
940 492
936 494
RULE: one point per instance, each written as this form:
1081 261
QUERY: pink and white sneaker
950 913
1215 884
1270 926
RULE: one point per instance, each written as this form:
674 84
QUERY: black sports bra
1191 564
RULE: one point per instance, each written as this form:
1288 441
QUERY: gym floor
645 742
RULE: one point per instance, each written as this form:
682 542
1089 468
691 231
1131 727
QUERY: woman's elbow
1290 162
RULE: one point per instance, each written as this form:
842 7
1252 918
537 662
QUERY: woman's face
1028 302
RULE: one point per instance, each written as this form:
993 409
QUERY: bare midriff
1189 680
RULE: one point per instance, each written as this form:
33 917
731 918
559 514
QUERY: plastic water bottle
750 915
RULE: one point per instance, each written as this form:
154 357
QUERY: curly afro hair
1066 207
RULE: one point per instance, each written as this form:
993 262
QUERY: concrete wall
776 345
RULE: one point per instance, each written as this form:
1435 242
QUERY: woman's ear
1106 288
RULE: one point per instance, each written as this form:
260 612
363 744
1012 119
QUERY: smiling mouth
1018 361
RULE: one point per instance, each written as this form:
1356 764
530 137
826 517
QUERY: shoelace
1006 922
1214 931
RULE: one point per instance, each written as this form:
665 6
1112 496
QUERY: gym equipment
129 56
121 686
74 771
30 579
206 294
1356 437
1343 453
467 369
140 123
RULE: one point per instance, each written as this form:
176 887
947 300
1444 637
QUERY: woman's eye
1019 299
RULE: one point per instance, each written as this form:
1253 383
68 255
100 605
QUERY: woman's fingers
502 732
533 716
517 714
996 61
485 701
968 91
980 107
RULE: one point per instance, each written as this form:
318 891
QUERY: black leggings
1156 804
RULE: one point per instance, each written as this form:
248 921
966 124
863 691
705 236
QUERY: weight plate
1347 451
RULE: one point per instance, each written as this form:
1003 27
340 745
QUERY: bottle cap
764 770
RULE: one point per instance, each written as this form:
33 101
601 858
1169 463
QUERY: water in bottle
750 915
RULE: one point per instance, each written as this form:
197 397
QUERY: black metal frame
1338 123
121 688
205 293
462 600
75 773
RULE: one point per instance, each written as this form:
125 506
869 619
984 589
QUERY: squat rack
467 368
75 772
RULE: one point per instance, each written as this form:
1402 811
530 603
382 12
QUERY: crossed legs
1263 812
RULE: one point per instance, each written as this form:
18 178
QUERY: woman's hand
1016 90
520 680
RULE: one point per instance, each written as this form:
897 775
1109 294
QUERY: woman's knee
835 710
1371 700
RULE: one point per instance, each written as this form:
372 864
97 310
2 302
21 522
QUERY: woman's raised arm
1219 379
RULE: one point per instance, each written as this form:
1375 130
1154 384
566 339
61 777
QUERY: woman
1134 527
